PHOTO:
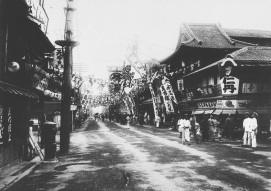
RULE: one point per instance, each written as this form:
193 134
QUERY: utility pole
68 43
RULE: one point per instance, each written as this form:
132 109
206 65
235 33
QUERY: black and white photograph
135 95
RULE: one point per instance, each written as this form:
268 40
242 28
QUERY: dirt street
108 156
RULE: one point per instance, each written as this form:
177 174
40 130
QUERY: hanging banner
167 100
170 92
155 108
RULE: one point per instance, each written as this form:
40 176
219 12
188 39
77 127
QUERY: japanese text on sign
167 100
207 104
155 109
256 88
170 92
230 85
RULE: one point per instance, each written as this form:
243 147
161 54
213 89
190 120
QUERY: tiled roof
209 36
252 53
248 33
11 89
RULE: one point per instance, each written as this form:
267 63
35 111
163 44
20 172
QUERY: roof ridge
256 30
225 34
259 47
192 34
186 32
247 43
235 53
202 24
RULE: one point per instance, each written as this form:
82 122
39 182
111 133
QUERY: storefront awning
217 112
228 111
243 111
198 112
208 111
14 90
263 111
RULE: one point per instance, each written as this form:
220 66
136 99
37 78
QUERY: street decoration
13 66
154 101
167 100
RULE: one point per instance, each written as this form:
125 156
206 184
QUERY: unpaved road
108 156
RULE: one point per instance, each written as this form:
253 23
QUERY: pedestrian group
212 129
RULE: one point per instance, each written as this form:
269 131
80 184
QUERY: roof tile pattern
11 89
210 36
257 54
248 33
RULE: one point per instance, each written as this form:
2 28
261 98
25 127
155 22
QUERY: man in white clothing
180 126
247 130
186 129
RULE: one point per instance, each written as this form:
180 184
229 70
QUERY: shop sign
167 100
170 92
256 88
37 14
154 101
180 85
243 104
229 85
219 104
211 104
226 104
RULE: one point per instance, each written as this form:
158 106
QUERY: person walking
198 133
217 128
229 127
157 120
254 127
211 131
186 130
193 126
204 128
128 119
247 130
180 125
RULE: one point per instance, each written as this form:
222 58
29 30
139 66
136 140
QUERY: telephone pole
68 43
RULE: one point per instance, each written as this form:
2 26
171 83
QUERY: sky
107 28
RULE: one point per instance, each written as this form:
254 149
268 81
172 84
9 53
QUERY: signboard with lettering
252 104
219 104
210 104
167 100
242 104
155 108
229 104
256 88
229 85
170 92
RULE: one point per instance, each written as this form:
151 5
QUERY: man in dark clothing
193 124
229 127
204 125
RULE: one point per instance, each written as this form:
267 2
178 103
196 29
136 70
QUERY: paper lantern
13 66
46 92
